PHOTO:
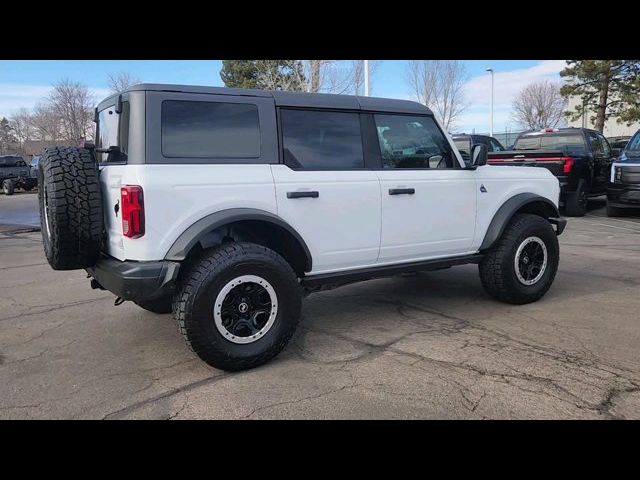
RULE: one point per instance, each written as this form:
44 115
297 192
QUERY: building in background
611 127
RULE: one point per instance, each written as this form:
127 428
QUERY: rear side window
210 130
320 140
550 141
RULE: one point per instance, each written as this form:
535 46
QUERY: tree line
65 116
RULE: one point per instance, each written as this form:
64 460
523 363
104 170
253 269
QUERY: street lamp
366 78
491 70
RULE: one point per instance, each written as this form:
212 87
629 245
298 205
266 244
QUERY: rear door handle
402 191
312 194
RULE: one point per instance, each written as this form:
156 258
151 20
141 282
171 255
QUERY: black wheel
576 202
160 305
521 267
8 187
613 211
238 305
70 207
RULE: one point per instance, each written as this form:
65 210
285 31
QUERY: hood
629 157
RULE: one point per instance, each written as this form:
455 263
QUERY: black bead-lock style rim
530 261
245 309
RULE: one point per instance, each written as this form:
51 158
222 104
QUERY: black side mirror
479 155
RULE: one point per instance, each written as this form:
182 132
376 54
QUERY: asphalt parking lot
431 345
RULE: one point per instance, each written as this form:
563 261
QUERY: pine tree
264 74
611 88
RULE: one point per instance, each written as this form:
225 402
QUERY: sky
23 83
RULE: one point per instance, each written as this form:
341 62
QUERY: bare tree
439 84
120 81
337 76
280 75
45 123
72 105
539 105
22 126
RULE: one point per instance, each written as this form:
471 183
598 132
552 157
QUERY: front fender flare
508 210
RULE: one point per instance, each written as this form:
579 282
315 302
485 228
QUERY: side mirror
479 155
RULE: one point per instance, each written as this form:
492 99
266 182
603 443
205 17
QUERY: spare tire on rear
70 207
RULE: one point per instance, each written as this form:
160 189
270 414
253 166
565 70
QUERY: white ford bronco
226 206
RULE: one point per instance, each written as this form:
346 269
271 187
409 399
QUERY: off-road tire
614 211
576 202
497 270
8 187
70 191
160 305
201 283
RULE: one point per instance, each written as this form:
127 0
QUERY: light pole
366 78
491 70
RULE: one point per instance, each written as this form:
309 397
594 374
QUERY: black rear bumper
135 280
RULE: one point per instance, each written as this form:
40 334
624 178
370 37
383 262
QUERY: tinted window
210 130
551 141
463 145
412 142
321 140
596 144
495 146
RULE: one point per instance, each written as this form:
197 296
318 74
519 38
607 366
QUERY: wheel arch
521 203
244 224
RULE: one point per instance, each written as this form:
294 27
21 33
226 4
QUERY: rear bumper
623 195
135 280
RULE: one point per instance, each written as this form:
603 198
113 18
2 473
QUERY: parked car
14 173
580 158
277 194
465 143
623 190
618 143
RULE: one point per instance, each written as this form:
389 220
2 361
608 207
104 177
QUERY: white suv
225 206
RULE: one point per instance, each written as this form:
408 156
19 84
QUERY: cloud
506 87
14 97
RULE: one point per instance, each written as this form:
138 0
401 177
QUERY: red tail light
568 165
132 206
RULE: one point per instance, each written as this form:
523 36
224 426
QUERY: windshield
9 161
633 147
551 141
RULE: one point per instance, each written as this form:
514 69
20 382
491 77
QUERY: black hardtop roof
291 99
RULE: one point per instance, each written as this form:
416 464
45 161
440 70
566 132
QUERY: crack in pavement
59 306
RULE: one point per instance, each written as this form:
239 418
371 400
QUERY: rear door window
321 140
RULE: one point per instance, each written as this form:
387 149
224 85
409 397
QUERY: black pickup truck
579 157
14 173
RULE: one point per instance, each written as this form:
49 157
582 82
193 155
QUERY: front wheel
238 305
521 267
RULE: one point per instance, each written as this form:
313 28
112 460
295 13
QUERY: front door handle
312 194
402 191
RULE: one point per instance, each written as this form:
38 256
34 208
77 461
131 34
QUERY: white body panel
438 220
354 223
176 196
342 226
504 182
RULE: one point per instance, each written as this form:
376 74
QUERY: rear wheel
521 267
576 202
238 305
8 187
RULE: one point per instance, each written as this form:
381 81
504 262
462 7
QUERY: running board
323 280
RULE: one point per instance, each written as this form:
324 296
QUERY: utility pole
366 78
491 70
